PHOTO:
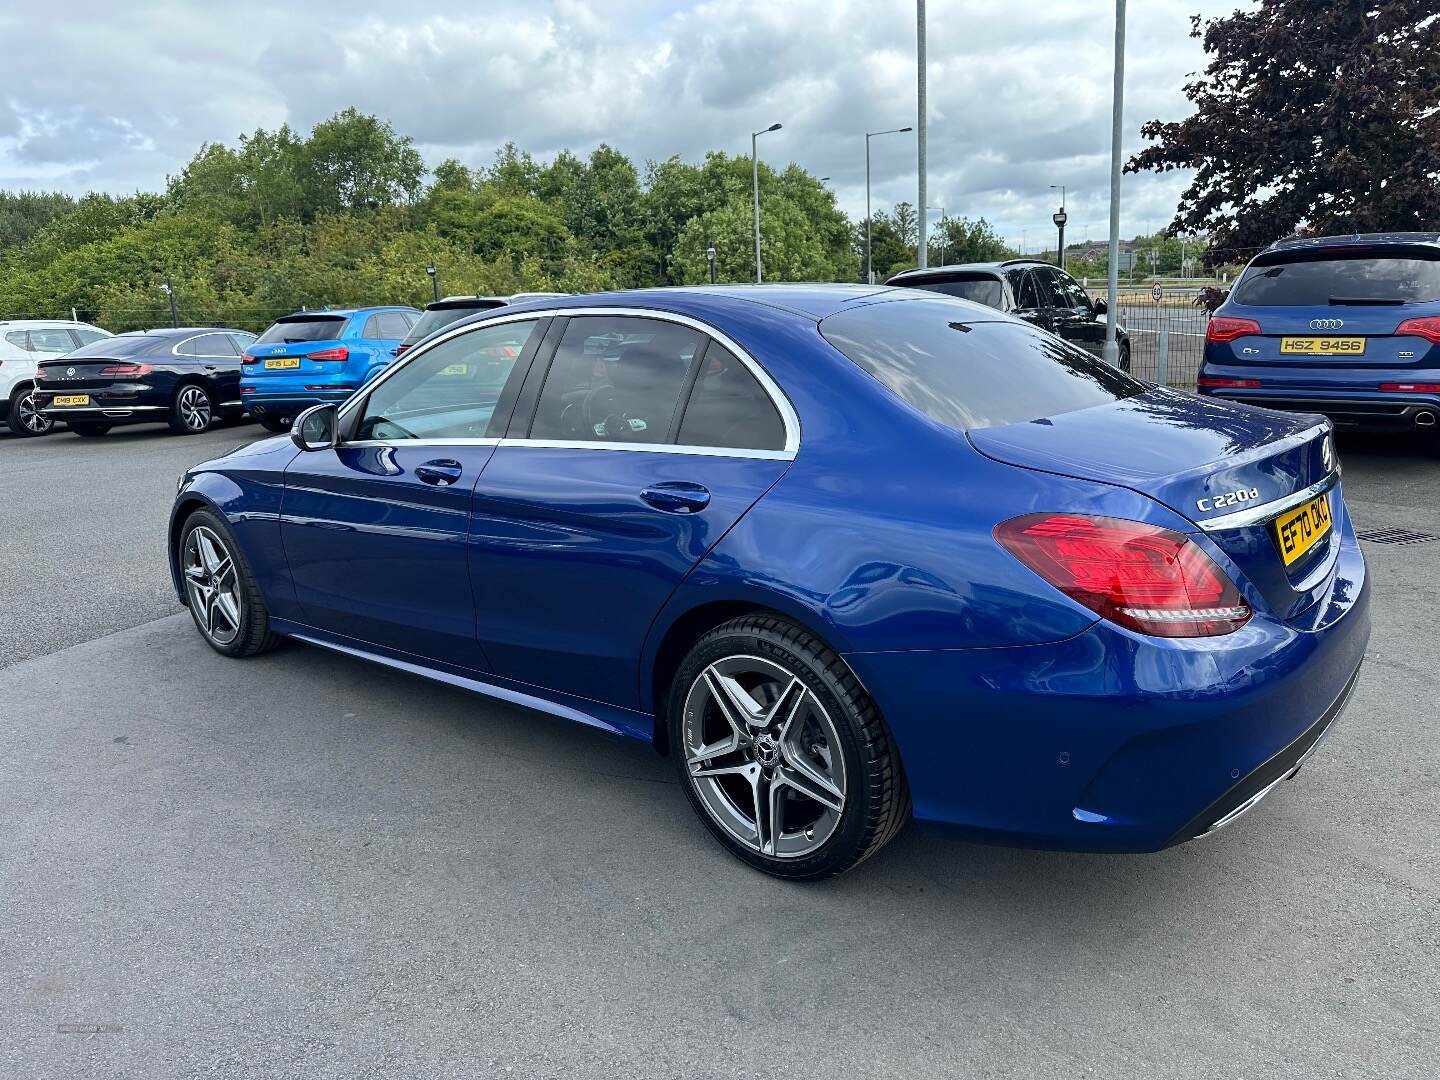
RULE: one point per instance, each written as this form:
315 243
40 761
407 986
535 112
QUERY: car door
648 439
1072 316
376 529
383 333
215 358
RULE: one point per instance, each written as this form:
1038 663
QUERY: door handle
442 472
677 496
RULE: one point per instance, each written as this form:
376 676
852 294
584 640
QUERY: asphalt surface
304 866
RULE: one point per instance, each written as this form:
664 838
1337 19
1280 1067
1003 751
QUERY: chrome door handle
441 472
676 496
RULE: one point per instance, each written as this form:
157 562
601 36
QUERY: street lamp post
434 281
169 290
1059 218
755 180
869 265
1117 114
710 258
942 233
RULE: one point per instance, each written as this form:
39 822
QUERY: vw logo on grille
70 372
1326 324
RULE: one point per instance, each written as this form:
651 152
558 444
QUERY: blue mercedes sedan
848 555
1346 326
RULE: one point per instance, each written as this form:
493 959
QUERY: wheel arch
185 505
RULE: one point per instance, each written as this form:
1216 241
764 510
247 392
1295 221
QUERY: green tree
960 240
355 161
1308 114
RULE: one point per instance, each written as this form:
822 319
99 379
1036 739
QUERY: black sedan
186 377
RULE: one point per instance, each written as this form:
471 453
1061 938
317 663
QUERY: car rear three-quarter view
847 555
1347 326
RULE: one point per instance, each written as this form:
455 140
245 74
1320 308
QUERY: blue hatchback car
315 356
848 555
1347 326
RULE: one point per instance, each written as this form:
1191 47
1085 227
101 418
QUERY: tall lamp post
434 281
869 266
169 290
942 234
1059 218
1117 114
755 180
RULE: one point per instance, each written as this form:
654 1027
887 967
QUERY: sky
116 97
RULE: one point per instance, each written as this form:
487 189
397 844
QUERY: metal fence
1167 336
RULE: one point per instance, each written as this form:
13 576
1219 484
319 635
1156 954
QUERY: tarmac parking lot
303 865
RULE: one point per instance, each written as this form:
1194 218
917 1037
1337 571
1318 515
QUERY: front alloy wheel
25 419
212 585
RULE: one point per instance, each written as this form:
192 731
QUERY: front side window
1069 291
728 407
447 392
51 341
1027 295
973 373
615 379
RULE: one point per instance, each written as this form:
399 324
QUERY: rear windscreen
982 290
288 330
1359 279
124 345
972 373
431 321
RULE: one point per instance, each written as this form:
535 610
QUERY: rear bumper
290 403
1353 412
1113 741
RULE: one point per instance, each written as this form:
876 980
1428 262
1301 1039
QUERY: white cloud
118 98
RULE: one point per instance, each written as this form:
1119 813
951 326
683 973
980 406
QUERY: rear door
376 530
1072 316
646 441
1030 303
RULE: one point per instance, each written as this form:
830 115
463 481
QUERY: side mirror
315 428
1100 306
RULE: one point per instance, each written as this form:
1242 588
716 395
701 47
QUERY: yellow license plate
71 399
455 369
1322 346
284 362
1301 529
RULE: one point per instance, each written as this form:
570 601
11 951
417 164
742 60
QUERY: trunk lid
1375 324
1188 453
64 376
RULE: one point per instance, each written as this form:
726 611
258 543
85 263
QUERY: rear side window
126 345
729 408
981 289
387 325
314 329
51 341
19 339
615 379
973 373
1362 278
210 345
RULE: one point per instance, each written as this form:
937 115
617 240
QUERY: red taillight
1222 328
1234 384
1141 576
1411 387
400 349
246 358
340 353
247 389
39 373
127 369
1427 327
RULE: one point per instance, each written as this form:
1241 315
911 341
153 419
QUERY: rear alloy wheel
26 420
88 429
782 753
192 411
220 590
277 424
1124 358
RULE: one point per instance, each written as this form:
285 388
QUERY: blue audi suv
315 356
1345 326
848 556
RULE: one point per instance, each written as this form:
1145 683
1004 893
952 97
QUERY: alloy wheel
194 406
212 585
763 756
31 418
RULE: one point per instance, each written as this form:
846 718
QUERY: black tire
22 419
1124 356
88 429
253 635
277 424
192 410
876 798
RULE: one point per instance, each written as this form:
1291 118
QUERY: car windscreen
981 288
124 345
313 329
1363 277
434 318
967 368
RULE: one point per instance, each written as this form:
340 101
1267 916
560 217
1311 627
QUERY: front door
376 530
1072 316
648 441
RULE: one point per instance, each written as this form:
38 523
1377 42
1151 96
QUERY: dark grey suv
1035 291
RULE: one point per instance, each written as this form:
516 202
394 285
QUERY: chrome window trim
1254 515
788 417
175 349
396 444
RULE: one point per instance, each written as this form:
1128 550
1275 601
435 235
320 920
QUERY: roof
813 301
345 313
930 272
1291 243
